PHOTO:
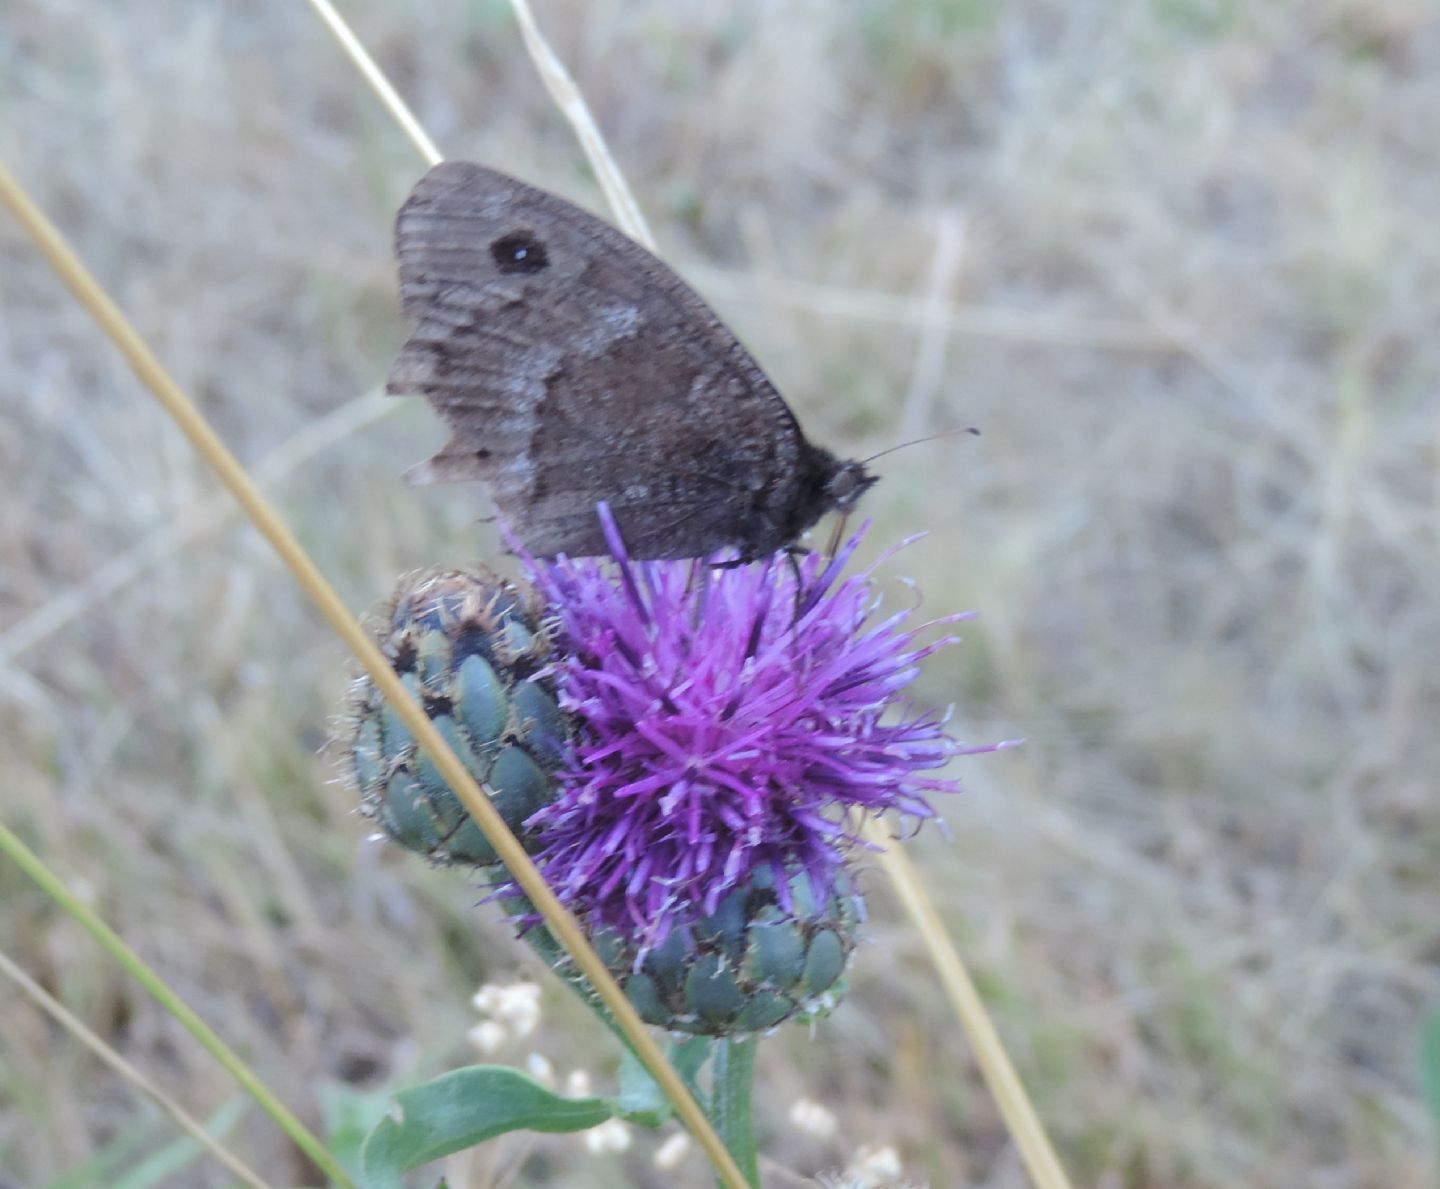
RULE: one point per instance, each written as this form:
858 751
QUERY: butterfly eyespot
520 251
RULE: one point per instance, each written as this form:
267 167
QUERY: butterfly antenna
934 437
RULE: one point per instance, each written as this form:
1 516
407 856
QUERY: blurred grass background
1179 261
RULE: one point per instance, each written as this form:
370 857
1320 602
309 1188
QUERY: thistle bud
470 647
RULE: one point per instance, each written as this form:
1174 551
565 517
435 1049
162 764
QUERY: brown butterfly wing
573 366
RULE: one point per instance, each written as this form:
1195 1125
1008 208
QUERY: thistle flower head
727 720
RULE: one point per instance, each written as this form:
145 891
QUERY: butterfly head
846 484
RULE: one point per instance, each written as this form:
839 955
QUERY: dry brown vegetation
1178 259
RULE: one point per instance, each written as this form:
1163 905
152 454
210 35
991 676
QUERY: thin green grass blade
100 1170
158 1168
1430 1065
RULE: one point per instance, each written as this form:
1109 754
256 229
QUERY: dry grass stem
70 603
572 105
929 371
1004 1083
376 80
77 1028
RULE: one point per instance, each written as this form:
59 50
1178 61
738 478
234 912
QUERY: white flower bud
518 1007
610 1136
540 1069
812 1118
874 1165
668 1155
487 1036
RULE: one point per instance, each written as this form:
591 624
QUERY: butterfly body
573 366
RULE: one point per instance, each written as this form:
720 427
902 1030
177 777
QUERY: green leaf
688 1056
1430 1064
463 1108
641 1100
350 1116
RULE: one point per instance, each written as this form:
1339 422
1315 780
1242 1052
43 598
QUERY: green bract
468 645
748 966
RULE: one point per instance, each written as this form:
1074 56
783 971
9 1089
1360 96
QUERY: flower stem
731 1102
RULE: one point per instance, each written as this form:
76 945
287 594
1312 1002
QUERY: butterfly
572 366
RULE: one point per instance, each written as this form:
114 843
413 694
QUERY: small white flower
487 1036
577 1085
518 1007
610 1136
668 1155
540 1069
812 1118
874 1165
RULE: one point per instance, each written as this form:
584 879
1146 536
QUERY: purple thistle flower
726 721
